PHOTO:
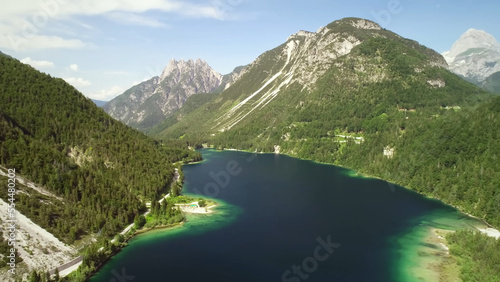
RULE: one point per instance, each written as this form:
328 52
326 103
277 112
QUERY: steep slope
93 173
230 78
359 96
475 55
291 71
149 102
192 103
492 83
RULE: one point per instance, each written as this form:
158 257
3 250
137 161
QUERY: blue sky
104 47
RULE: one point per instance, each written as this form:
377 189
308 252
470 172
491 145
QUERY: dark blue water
283 219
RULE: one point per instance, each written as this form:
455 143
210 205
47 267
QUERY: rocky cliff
149 102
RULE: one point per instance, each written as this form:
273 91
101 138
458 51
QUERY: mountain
99 103
230 78
475 55
359 96
492 83
192 103
89 173
291 73
149 102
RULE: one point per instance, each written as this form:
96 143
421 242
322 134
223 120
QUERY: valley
351 131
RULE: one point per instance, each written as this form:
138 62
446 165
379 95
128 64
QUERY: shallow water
275 219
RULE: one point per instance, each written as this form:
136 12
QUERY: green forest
479 255
103 171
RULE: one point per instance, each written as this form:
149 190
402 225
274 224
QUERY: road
75 262
78 260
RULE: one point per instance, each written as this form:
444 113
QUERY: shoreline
442 263
126 240
439 264
196 162
424 255
136 234
158 227
194 208
490 230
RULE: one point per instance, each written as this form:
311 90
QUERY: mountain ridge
300 62
375 103
475 55
150 101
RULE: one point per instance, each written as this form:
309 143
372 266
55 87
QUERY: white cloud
17 42
77 81
24 23
134 19
99 7
73 67
107 94
37 64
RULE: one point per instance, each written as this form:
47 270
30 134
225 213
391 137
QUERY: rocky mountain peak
175 68
364 24
309 54
475 55
357 23
151 101
472 38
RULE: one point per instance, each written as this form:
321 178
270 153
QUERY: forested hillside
54 136
492 83
388 108
478 255
192 103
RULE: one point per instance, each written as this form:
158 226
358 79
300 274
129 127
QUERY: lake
286 219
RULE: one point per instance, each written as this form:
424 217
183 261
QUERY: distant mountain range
99 103
150 102
492 83
476 57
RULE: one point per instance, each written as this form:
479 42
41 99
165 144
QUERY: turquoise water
285 219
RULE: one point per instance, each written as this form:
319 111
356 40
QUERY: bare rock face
229 79
149 102
475 55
